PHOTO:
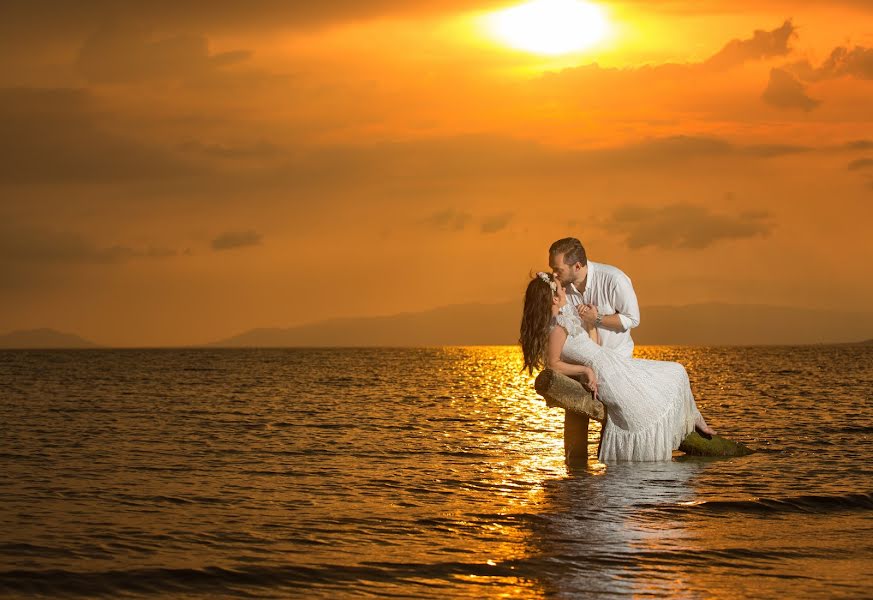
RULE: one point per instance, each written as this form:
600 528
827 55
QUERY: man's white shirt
611 291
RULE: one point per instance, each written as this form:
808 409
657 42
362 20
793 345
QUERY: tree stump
580 406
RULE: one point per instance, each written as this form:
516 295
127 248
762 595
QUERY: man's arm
627 310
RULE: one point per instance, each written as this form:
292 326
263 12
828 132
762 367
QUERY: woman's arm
586 375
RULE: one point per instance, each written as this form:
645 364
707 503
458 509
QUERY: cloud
859 145
119 54
670 88
774 150
232 240
784 91
723 7
762 45
842 62
683 226
447 220
56 135
236 152
495 223
861 163
47 246
451 163
51 16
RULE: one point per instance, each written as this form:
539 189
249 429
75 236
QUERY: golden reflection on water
568 496
395 471
642 529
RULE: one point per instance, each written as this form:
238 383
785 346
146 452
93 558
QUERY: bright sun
550 26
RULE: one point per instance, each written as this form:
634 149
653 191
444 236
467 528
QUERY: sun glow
550 27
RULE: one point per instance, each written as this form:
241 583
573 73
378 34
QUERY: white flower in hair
552 284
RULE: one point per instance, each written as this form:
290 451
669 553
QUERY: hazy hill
469 324
699 324
43 338
731 324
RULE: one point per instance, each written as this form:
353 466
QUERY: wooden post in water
580 405
575 438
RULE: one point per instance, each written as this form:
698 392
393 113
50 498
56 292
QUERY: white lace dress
649 405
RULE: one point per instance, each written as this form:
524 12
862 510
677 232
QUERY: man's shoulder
607 270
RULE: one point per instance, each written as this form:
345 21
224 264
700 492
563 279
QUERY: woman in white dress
649 405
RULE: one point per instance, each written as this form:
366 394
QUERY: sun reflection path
518 422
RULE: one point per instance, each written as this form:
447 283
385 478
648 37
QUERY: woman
649 405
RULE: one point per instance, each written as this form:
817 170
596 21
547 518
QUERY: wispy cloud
684 226
231 240
447 220
842 61
785 91
120 54
495 223
762 45
861 163
50 246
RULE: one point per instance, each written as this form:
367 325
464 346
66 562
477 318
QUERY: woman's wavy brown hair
535 319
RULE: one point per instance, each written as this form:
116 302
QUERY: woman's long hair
535 319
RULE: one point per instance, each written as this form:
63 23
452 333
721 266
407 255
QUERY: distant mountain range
478 324
43 338
472 324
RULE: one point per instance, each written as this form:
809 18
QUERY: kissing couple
576 321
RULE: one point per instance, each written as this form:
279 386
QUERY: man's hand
588 313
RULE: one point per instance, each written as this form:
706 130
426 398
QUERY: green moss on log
697 445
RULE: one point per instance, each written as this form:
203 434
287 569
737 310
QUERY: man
601 294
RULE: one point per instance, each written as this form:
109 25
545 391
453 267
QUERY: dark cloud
45 246
46 18
774 150
392 167
762 45
683 226
495 223
456 160
232 240
49 16
582 79
118 54
56 135
784 91
857 62
842 62
859 145
861 163
592 87
723 7
447 220
239 152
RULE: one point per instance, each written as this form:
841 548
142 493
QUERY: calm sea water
420 473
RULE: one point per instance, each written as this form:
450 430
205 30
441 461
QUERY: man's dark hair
572 250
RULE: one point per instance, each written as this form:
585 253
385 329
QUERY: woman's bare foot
703 428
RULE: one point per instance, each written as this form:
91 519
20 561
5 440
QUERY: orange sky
178 173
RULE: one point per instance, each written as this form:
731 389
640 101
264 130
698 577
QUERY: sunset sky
179 172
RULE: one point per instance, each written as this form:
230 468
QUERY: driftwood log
580 406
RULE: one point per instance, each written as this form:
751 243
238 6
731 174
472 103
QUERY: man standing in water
604 297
